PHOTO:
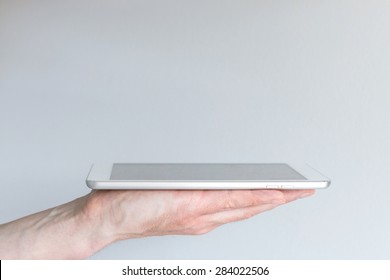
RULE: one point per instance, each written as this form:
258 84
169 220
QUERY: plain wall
204 81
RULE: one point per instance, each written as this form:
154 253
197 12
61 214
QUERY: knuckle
230 202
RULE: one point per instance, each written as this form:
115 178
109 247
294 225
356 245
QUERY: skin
82 227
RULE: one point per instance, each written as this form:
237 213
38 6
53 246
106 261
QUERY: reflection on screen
211 171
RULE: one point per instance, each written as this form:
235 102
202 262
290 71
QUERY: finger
217 201
291 195
206 223
229 216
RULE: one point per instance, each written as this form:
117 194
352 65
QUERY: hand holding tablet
156 199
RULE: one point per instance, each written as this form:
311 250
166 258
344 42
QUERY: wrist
112 217
96 232
64 232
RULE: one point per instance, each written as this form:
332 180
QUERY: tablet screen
211 171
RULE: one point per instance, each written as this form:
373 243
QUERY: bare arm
82 227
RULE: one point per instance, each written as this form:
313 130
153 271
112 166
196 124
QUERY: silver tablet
205 176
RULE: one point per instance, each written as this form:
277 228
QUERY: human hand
80 228
122 214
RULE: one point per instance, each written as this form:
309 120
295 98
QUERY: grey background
204 81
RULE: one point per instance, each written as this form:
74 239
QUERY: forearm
63 232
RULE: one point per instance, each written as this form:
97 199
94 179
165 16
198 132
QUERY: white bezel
99 178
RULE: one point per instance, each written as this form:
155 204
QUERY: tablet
190 176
